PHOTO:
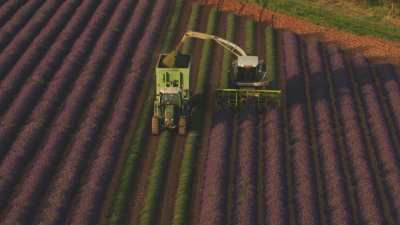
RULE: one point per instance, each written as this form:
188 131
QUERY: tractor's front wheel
155 126
182 126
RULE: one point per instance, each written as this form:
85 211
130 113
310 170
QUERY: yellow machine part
239 98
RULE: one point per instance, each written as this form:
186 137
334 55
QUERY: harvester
248 85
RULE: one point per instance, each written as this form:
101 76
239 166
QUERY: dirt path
371 47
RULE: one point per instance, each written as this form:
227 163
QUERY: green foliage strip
139 138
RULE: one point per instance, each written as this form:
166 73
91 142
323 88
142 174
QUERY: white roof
169 90
247 61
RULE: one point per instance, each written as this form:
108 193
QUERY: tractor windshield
247 74
170 99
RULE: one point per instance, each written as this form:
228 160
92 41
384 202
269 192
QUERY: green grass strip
251 1
367 25
173 25
120 198
130 167
193 21
147 216
271 55
156 180
249 32
187 168
227 58
185 180
204 61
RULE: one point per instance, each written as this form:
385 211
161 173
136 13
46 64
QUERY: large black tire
182 130
155 126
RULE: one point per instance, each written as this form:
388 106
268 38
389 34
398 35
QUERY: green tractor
249 85
172 100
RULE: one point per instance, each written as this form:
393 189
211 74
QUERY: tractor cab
249 81
249 71
171 104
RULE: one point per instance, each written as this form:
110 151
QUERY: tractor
172 100
249 84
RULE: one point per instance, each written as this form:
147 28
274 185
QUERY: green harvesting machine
249 85
172 100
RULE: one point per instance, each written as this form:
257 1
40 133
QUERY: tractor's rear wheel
155 126
182 126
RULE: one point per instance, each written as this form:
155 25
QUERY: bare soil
371 47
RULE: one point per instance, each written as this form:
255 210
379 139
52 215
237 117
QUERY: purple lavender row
391 90
91 195
214 193
30 93
380 133
304 189
37 177
366 194
15 14
16 78
9 9
338 207
14 24
13 50
276 207
30 136
69 173
275 185
245 184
